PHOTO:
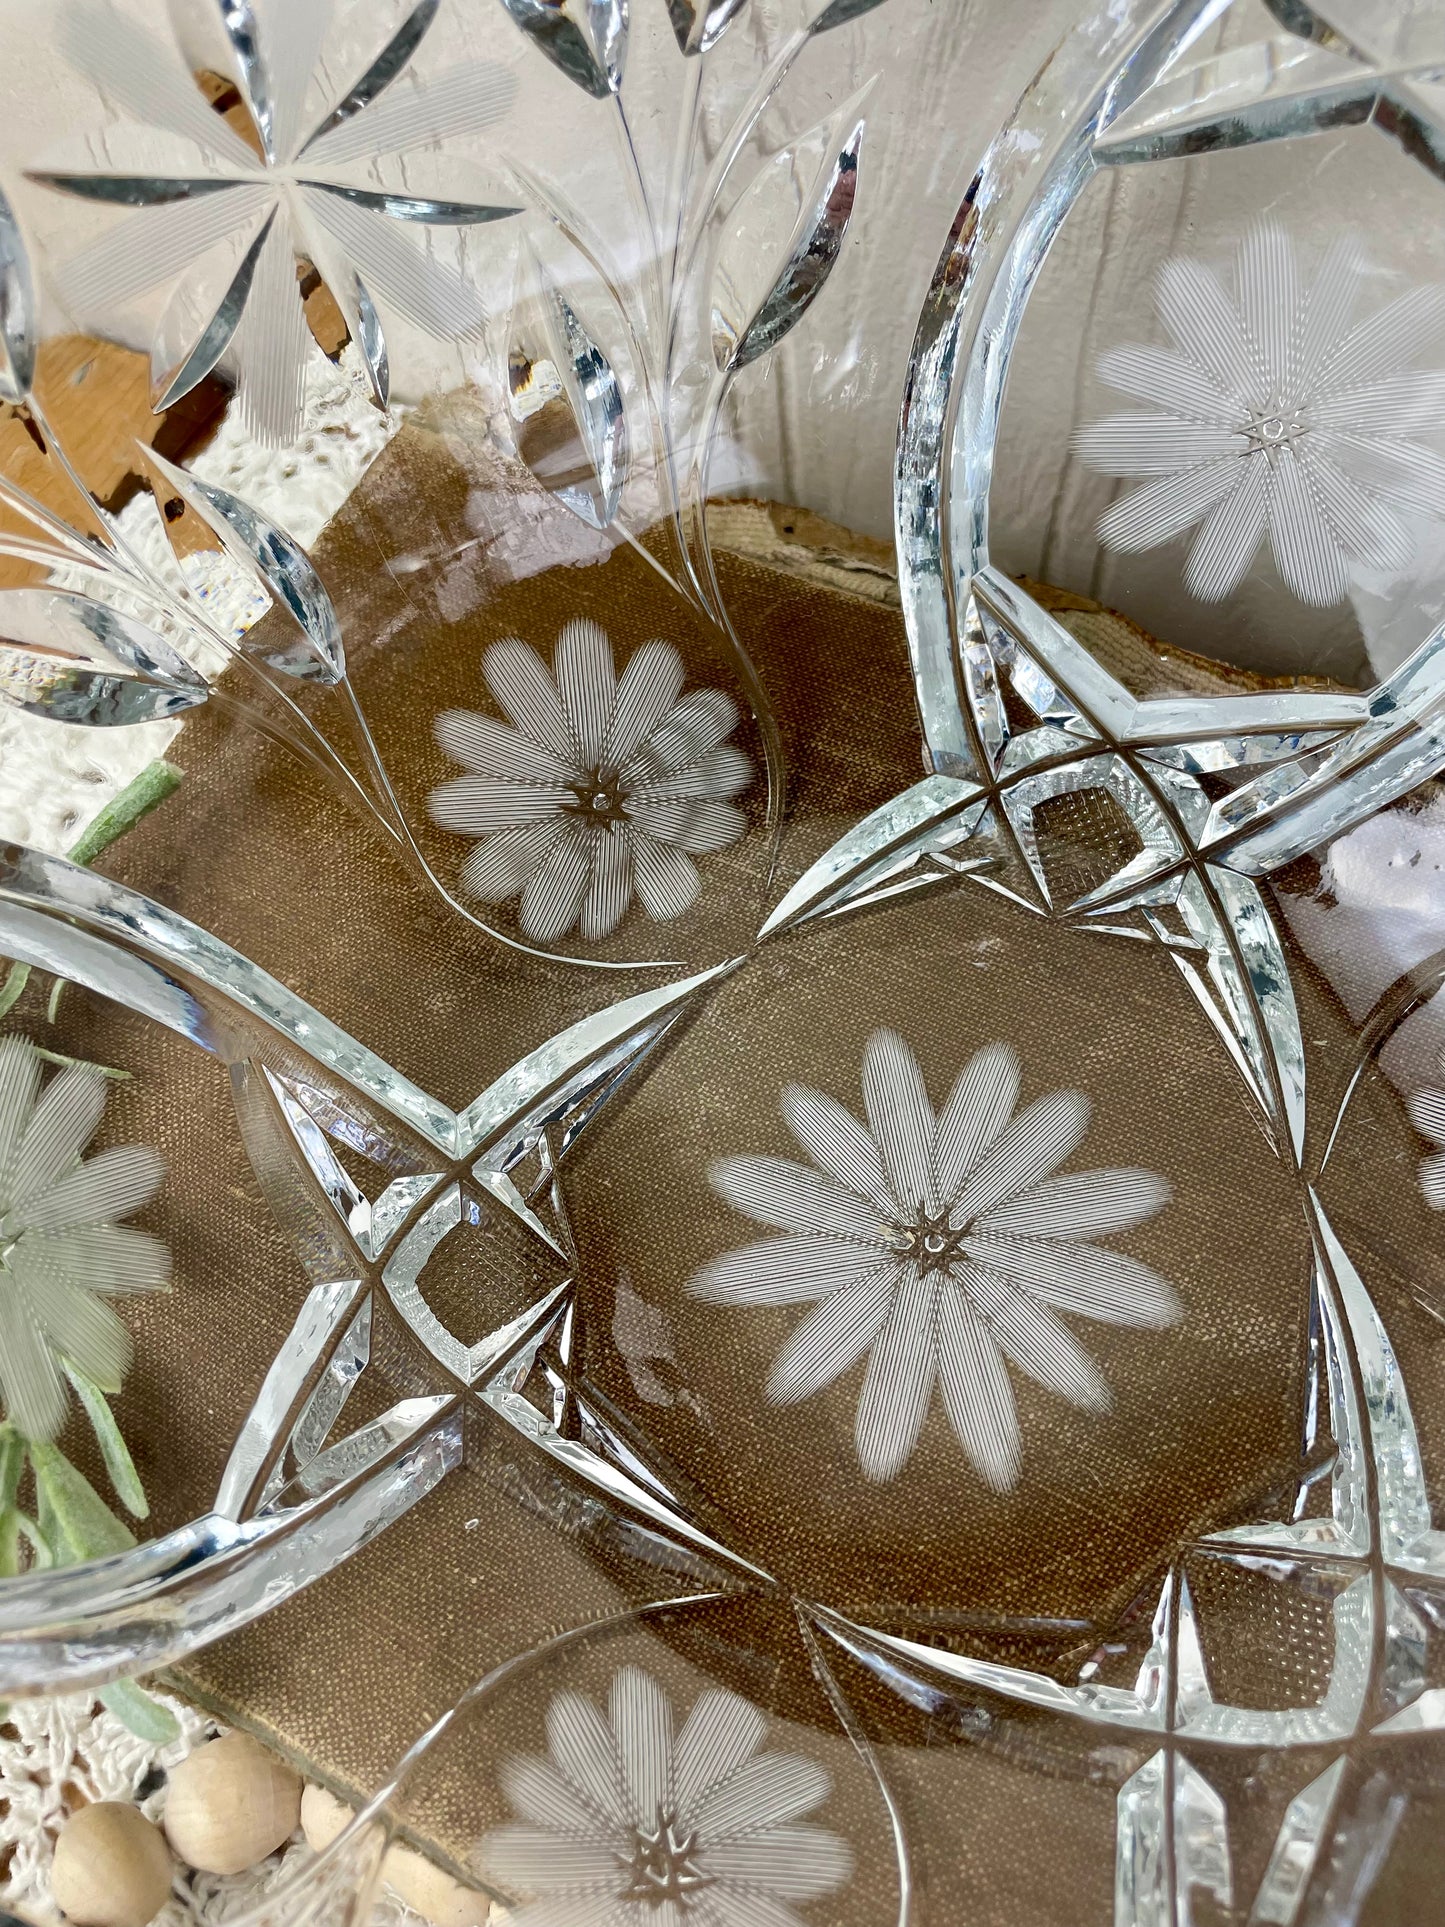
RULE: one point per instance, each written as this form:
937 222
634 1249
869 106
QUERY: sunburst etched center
662 1867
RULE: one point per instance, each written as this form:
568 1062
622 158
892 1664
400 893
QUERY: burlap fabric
427 567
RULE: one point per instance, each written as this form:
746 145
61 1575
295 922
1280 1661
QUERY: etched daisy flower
940 1246
223 225
630 1825
1427 1114
1282 411
60 1245
604 786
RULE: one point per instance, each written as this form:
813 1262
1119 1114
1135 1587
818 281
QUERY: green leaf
13 988
12 1465
73 1517
39 1545
155 783
147 1718
119 1464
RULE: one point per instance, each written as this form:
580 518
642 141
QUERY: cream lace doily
58 1755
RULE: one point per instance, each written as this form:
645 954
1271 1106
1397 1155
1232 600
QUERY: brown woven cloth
427 567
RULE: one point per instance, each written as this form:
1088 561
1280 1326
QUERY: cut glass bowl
782 1044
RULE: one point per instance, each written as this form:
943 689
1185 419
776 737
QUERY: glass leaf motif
566 402
587 39
754 301
72 660
17 310
701 24
839 12
279 563
220 239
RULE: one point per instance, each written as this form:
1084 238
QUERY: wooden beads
112 1867
426 1888
230 1804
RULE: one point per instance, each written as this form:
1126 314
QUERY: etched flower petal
1402 472
695 724
76 1323
976 1393
543 1791
899 1379
113 1258
896 1100
62 1124
1385 341
1327 308
1033 1146
697 825
143 77
579 1907
1036 1341
647 689
781 1271
523 685
19 1087
499 867
156 246
1230 538
1090 1279
472 97
476 805
1206 326
979 1106
609 888
1269 303
1305 550
272 343
762 1795
1427 1114
110 1186
583 1750
1160 510
838 1143
1151 444
1363 526
1080 1204
1432 1180
833 1337
722 1731
1172 382
667 881
379 74
553 895
793 1197
35 1395
587 684
531 1859
642 1721
1402 405
784 1863
495 749
719 773
396 270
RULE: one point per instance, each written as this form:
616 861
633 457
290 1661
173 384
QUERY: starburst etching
1287 409
940 1245
627 1822
61 1248
223 230
602 788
